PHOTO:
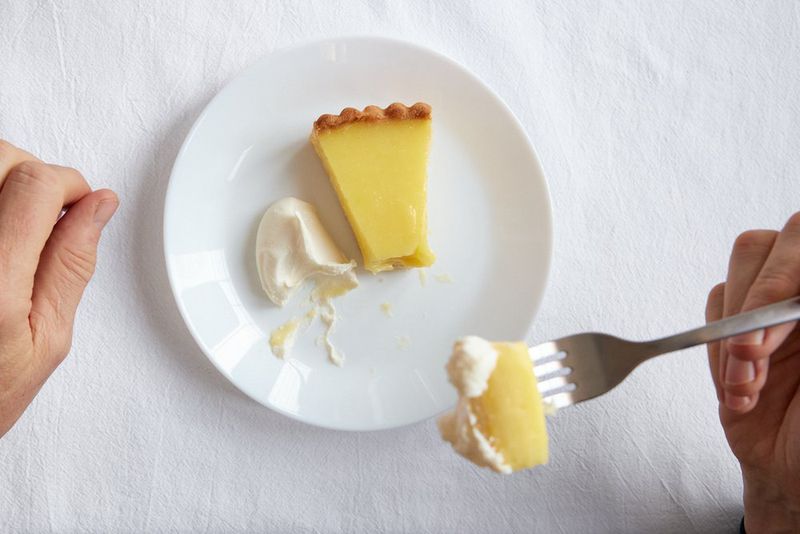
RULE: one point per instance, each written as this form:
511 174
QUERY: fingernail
735 402
739 372
750 338
104 211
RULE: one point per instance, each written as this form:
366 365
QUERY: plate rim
313 43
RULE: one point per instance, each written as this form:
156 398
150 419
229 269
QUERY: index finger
10 157
779 279
31 199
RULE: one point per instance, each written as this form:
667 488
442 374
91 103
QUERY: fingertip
98 207
107 195
746 352
744 378
105 208
740 404
84 221
743 390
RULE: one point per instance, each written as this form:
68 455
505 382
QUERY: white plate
490 228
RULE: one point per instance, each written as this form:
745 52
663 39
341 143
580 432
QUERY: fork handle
785 311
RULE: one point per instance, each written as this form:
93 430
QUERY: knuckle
717 292
33 176
793 224
771 286
753 242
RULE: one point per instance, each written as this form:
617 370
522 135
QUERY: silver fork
583 366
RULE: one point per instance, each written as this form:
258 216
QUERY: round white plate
490 227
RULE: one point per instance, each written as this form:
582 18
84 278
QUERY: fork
580 367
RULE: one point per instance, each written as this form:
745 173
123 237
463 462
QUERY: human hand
757 377
45 264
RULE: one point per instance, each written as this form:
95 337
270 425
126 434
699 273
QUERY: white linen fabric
665 129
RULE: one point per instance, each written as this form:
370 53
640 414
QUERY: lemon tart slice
377 162
499 420
510 412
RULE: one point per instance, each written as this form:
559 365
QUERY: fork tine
552 374
560 400
550 369
542 351
595 364
554 385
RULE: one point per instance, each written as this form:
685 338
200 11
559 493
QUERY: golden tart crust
395 111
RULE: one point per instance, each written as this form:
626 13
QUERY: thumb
65 267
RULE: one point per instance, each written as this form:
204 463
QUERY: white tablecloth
665 129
